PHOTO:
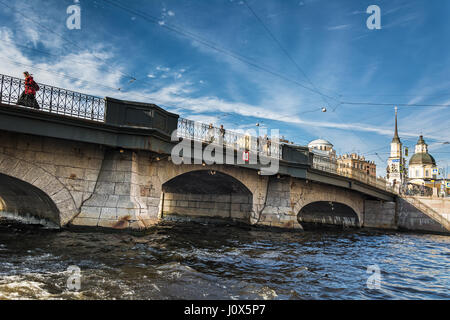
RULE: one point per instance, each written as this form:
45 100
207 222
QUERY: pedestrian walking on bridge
28 97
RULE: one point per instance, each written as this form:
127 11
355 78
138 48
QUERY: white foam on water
28 219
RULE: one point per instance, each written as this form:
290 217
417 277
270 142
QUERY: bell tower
396 163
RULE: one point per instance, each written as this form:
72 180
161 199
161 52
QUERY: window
427 173
417 173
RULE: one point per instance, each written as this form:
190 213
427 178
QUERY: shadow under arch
206 194
327 214
23 202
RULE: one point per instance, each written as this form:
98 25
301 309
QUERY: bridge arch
22 180
208 192
327 213
166 171
304 193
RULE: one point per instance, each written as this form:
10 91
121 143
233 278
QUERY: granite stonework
380 214
414 218
83 184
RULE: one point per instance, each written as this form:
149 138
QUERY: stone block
8 164
153 202
106 188
222 198
91 174
43 181
122 189
124 165
90 212
168 196
77 197
126 202
108 165
44 157
70 172
240 198
66 205
207 205
222 205
235 207
21 169
122 213
95 163
97 200
108 213
75 184
87 222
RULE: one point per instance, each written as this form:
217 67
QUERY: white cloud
339 27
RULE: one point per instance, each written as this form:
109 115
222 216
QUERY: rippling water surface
194 261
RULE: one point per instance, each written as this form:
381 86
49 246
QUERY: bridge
82 160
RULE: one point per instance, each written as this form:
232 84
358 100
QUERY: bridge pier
118 200
277 209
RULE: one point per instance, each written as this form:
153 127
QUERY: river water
195 261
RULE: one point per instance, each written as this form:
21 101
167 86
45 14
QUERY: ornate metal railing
55 100
197 131
353 174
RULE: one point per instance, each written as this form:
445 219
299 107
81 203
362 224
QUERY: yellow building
354 165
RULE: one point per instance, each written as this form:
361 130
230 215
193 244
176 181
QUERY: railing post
85 113
92 110
57 103
10 89
1 88
51 99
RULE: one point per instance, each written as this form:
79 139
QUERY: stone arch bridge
117 172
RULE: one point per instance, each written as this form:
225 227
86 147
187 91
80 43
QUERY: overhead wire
211 45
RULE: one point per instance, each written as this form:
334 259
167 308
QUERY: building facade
354 165
324 155
422 166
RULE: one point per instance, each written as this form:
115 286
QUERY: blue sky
406 62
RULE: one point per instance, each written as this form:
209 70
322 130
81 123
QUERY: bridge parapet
197 131
361 177
142 115
55 100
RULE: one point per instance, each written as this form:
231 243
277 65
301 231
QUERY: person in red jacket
28 97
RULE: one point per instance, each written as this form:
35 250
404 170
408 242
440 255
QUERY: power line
395 104
213 46
274 38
